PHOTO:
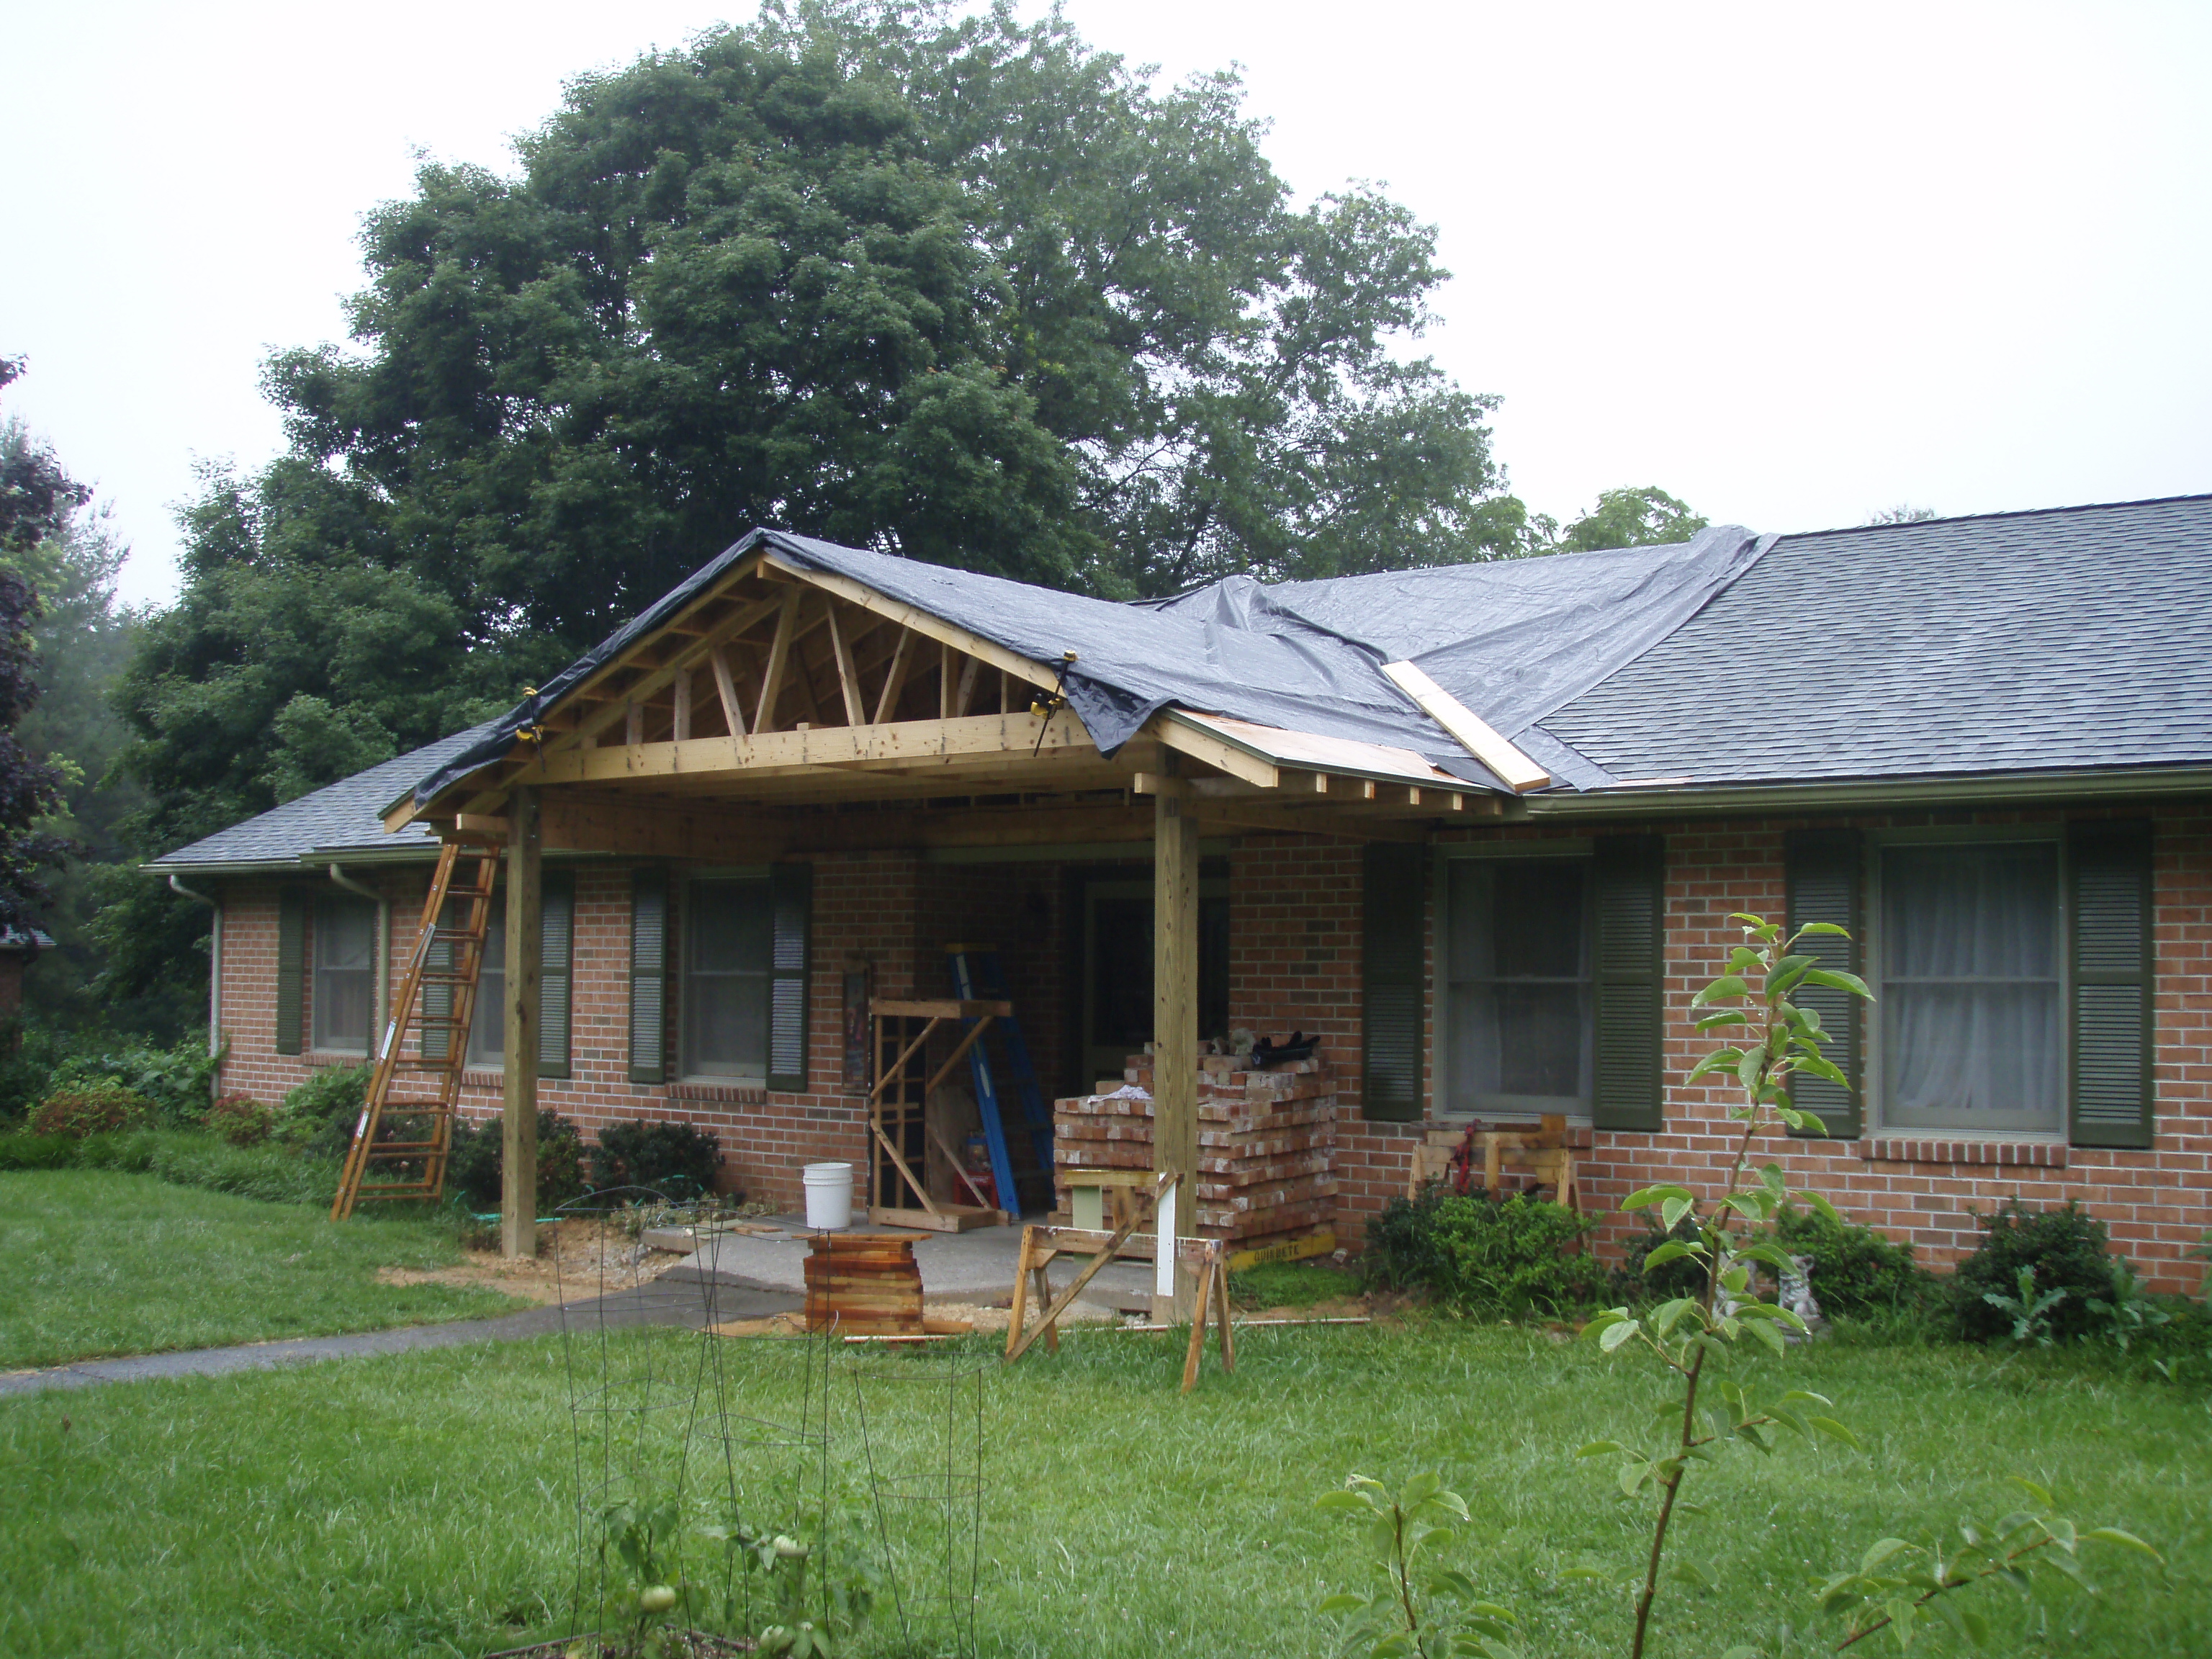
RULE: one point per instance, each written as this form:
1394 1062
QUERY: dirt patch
575 1258
984 1320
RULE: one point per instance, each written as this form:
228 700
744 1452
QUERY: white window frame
316 1044
1874 1071
1530 1110
756 1078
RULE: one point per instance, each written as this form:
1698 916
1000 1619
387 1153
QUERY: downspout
215 976
383 1005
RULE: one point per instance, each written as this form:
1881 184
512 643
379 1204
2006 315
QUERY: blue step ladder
978 976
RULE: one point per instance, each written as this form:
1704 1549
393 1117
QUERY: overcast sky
1795 264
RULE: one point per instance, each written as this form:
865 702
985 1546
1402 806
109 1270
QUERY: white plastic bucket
828 1194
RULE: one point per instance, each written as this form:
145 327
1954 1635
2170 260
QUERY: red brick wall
1295 964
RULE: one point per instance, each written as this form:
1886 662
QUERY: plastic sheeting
1512 641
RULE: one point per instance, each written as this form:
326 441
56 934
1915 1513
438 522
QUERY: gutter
1866 795
382 1006
215 975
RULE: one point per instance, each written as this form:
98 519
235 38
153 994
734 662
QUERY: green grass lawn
98 1263
422 1502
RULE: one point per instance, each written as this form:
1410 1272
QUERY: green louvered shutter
2110 1094
1391 983
557 910
1630 871
291 968
437 1000
791 893
648 976
1826 871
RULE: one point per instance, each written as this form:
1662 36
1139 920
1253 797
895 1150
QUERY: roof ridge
2009 513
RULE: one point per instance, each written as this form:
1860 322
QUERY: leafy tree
1904 513
961 288
1649 517
38 498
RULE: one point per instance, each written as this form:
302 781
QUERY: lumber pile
865 1284
1267 1144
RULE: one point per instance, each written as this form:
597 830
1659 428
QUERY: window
1519 1035
487 1049
728 930
345 974
1973 1005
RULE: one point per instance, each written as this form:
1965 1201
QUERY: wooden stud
848 677
634 725
1018 1314
895 676
966 691
921 622
1174 1010
680 727
946 658
726 686
1205 1300
590 722
779 659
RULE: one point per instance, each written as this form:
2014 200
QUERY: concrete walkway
972 1268
659 1302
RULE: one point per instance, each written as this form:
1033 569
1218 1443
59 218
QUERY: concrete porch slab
976 1267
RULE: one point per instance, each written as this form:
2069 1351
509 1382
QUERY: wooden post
518 1203
1174 1020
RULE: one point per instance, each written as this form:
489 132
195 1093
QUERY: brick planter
1266 1145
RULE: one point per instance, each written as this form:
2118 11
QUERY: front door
1117 972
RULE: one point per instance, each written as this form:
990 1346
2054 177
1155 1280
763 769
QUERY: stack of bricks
1266 1145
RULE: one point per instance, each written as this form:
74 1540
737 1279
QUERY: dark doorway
1113 991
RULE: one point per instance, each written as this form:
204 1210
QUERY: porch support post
518 1203
1175 1021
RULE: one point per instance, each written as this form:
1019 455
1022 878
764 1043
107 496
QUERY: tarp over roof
1524 635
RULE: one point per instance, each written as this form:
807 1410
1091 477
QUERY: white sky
1794 264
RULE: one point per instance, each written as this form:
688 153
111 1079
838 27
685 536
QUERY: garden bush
319 1116
477 1167
2066 1248
175 1080
1483 1256
92 1110
241 1120
1856 1272
678 1159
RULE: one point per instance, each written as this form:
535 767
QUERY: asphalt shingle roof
2079 637
346 816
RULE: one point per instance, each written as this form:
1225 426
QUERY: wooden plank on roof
1473 733
1308 751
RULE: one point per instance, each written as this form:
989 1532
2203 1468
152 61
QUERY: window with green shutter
1629 872
2110 1093
1826 870
1391 990
648 976
791 887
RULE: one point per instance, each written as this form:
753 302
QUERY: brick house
1478 829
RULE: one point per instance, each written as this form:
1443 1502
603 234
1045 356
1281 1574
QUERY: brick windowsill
1898 1149
733 1094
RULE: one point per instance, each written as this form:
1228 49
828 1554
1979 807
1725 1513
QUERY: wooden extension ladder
437 1001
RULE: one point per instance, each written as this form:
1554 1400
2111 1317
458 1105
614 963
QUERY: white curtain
1971 1033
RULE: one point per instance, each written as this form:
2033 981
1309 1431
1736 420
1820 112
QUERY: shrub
1856 1272
175 1080
100 1108
241 1120
1485 1255
1683 1276
2066 1248
678 1159
478 1167
319 1116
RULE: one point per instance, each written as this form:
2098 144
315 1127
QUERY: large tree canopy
959 289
